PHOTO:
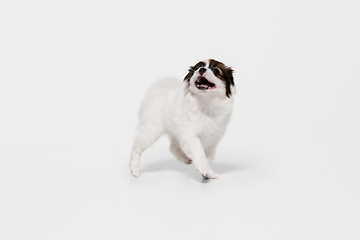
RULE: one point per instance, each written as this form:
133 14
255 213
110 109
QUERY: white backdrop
73 74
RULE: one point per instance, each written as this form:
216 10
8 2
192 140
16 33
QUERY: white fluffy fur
194 120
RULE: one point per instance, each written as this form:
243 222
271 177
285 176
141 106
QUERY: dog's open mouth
203 84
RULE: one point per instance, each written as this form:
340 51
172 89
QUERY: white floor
278 189
72 74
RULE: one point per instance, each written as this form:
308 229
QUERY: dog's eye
216 71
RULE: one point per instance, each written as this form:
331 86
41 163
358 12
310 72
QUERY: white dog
194 114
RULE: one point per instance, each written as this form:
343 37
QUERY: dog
193 113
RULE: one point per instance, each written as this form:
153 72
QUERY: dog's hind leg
146 136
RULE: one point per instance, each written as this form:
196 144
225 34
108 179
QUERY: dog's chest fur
209 118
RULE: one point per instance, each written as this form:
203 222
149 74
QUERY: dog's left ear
230 88
229 74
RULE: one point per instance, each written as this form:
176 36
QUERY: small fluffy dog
194 114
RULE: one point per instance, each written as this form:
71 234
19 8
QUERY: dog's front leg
210 155
193 148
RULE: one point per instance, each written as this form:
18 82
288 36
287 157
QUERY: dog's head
210 77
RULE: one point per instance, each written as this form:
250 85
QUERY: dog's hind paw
186 160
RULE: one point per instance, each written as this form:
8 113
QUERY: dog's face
210 77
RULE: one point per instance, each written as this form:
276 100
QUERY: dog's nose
202 70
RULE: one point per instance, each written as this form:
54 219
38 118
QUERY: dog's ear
190 73
192 69
229 75
230 84
187 79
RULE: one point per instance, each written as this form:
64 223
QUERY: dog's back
158 99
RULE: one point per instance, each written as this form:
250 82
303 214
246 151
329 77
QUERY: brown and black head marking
220 70
224 73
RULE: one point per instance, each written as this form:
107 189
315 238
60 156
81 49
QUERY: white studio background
72 75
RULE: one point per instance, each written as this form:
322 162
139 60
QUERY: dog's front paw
211 175
135 169
203 169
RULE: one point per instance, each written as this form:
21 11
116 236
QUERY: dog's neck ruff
209 105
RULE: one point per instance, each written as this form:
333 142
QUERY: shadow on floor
174 165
